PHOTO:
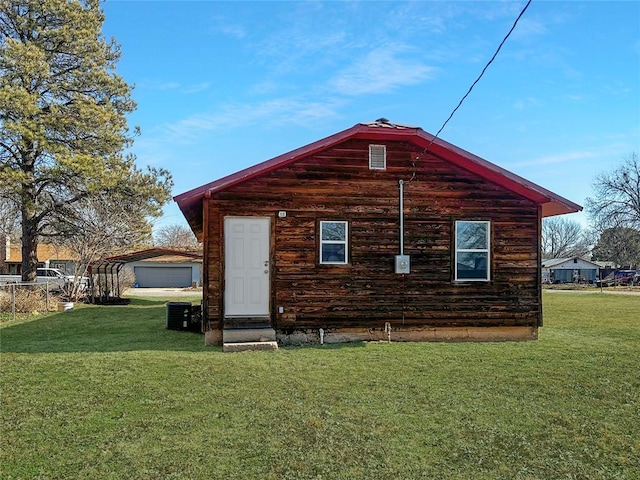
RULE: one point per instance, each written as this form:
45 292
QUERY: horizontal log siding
338 185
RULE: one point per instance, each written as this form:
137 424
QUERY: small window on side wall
472 251
377 157
334 242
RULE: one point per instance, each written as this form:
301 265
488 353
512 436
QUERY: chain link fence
24 297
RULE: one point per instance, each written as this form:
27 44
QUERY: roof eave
552 204
557 207
265 167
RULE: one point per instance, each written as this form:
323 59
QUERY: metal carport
106 284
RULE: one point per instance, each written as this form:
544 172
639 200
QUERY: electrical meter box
403 264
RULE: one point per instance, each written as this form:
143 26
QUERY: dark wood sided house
373 233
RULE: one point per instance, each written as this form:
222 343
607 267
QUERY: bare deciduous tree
101 227
562 238
175 235
616 199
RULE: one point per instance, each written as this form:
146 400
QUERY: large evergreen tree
621 245
63 128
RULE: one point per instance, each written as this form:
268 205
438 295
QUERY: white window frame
374 152
486 250
344 242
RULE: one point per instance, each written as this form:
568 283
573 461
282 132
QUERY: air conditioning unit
179 315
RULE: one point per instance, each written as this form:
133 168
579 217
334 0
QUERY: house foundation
399 334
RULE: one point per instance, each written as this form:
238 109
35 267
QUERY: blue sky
221 86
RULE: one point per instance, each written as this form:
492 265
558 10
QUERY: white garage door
158 277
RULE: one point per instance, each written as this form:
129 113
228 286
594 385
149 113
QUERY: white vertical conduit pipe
401 187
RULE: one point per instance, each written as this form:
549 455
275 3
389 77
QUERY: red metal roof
381 130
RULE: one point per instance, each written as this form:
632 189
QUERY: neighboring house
49 256
162 267
314 243
567 270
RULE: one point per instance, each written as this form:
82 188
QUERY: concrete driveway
163 292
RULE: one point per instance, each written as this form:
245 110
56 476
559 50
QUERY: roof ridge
385 123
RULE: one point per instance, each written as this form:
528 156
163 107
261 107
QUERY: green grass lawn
109 393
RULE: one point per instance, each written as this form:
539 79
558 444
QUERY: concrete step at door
241 335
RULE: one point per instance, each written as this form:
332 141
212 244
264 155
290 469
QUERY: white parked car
52 276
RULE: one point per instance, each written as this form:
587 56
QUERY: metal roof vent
377 157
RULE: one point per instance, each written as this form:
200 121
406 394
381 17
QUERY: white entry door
246 263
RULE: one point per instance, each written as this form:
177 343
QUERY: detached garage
161 276
163 268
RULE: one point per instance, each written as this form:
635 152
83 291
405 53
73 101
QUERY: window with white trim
472 251
334 243
377 157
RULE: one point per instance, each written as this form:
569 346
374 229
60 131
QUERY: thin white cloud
226 27
601 153
617 89
381 70
530 27
564 157
167 86
236 31
577 97
176 86
276 112
414 19
293 50
265 87
199 87
525 103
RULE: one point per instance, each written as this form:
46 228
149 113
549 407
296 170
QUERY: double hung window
472 251
334 242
